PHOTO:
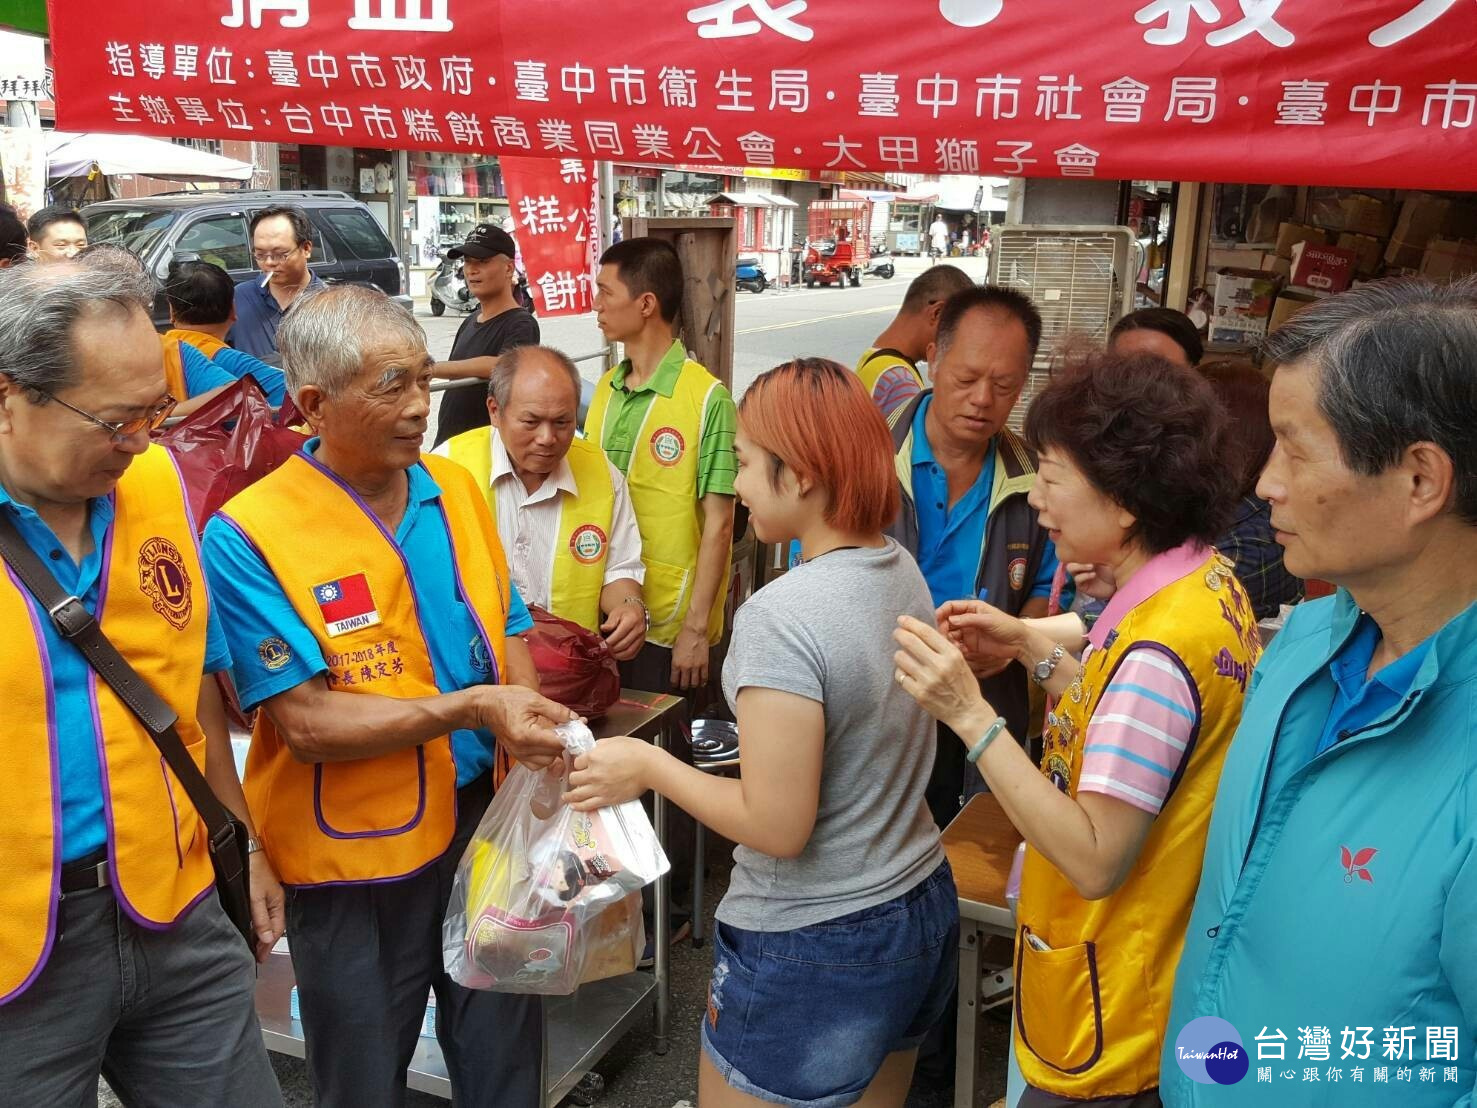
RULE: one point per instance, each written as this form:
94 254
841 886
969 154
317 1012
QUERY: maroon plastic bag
574 666
231 442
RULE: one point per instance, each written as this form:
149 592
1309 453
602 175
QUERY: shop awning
968 196
73 155
754 200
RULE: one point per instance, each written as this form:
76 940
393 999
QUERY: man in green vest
889 367
563 511
667 424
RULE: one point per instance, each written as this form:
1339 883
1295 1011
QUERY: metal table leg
966 1042
699 848
662 920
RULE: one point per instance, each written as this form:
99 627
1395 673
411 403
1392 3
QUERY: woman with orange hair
836 945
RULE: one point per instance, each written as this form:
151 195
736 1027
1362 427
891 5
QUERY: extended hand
934 672
268 910
523 722
614 772
989 639
690 659
1094 581
625 631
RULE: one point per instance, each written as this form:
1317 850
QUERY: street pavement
770 327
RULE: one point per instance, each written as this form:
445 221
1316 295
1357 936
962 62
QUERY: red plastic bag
231 442
574 666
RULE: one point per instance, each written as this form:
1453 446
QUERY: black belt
91 872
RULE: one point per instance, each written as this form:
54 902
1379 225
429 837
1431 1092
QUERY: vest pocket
1058 1006
369 799
665 591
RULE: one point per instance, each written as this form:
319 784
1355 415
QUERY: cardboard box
1226 257
1290 234
1448 259
1243 304
1364 215
1460 221
1400 254
1289 303
1281 267
1322 268
1369 252
1422 218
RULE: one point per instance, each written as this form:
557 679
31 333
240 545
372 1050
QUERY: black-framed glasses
123 428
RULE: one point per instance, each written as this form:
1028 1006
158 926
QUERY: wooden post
706 249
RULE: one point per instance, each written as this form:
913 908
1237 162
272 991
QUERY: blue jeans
807 1017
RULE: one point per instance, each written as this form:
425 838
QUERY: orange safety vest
153 606
174 368
381 818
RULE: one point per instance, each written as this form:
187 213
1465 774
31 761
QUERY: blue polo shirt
256 610
238 364
950 539
258 314
201 374
84 828
1359 700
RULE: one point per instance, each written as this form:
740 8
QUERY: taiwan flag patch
347 604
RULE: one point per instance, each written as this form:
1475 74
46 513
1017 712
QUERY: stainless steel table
578 1029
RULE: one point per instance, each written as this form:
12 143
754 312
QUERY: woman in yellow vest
1115 819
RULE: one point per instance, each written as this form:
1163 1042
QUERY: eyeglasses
122 429
275 257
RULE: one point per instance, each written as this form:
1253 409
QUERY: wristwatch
1042 671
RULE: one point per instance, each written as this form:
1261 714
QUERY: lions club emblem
667 446
163 579
587 544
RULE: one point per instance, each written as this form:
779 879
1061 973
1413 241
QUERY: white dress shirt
528 524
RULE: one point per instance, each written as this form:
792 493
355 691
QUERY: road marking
816 319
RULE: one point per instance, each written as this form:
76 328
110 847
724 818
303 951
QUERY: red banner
1358 92
557 228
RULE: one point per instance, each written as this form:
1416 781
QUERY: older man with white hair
115 956
368 600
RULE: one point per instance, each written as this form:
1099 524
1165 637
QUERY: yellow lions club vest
582 546
153 606
375 818
662 475
1091 1012
874 363
174 369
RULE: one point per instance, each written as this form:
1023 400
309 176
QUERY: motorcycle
449 288
881 266
749 274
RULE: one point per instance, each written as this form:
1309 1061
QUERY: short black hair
650 265
1149 435
12 235
995 298
199 292
56 213
302 227
1177 325
937 282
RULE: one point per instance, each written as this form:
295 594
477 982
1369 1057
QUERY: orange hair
815 417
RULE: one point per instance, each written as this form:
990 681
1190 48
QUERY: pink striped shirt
1138 734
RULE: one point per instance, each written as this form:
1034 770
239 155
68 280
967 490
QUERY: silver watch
1042 671
252 846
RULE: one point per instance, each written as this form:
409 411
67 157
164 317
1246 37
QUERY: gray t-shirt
824 631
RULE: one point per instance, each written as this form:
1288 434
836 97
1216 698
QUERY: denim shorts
807 1017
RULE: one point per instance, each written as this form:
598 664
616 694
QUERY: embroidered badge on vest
667 446
1018 574
346 605
163 579
587 544
1356 863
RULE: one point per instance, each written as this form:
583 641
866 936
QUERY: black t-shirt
465 407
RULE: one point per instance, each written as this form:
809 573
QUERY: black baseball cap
486 240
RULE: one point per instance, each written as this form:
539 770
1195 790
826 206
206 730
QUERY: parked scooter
881 266
749 274
449 288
